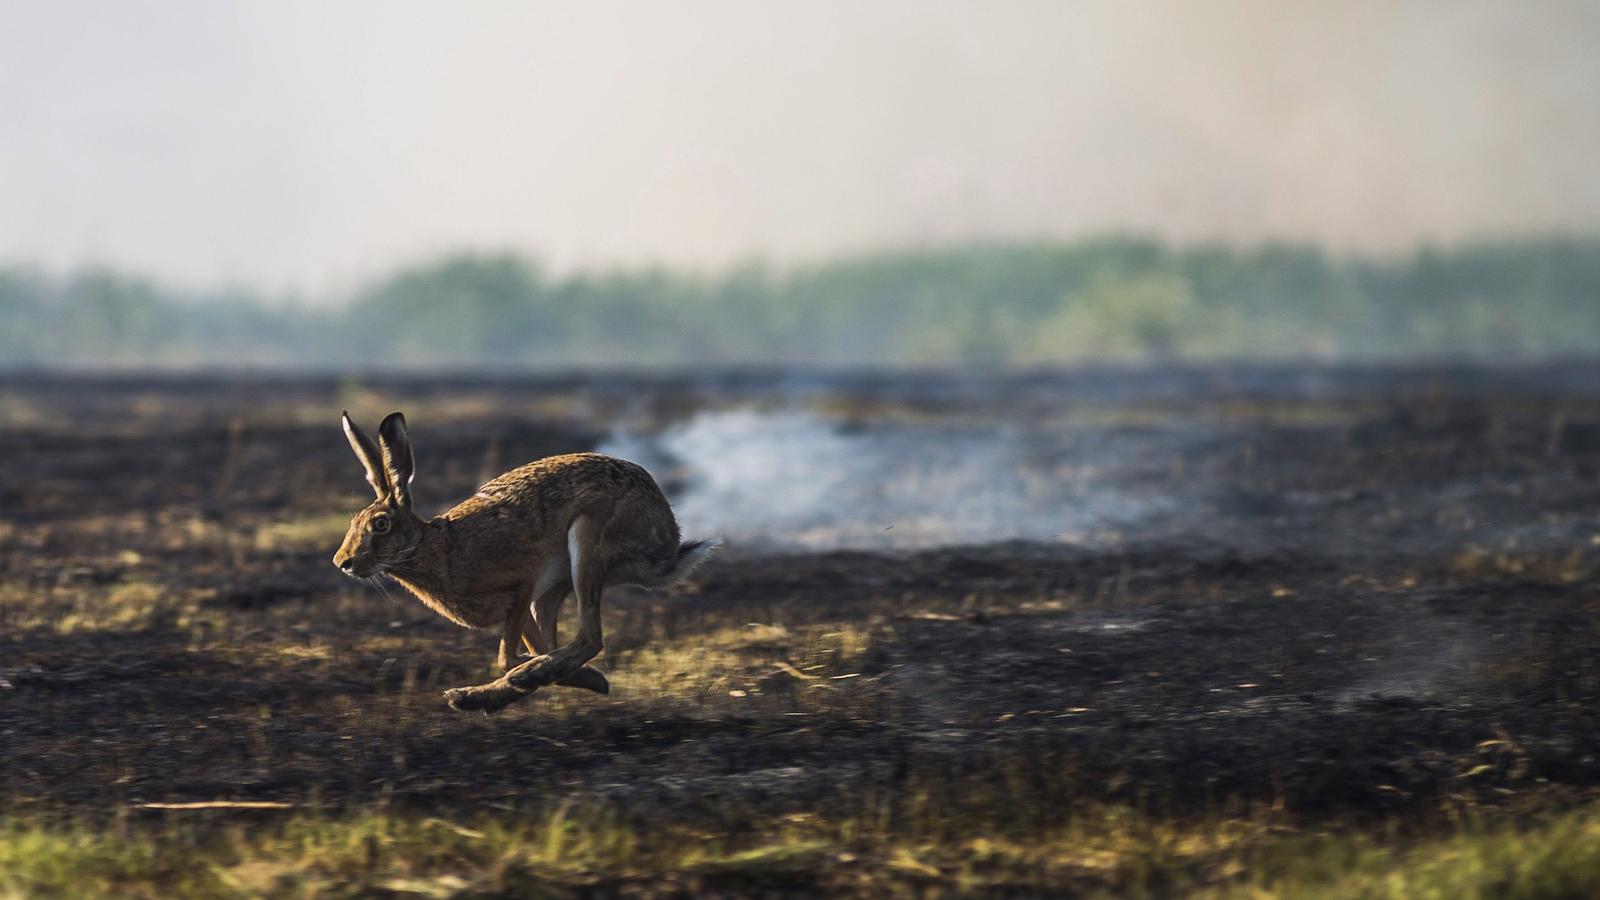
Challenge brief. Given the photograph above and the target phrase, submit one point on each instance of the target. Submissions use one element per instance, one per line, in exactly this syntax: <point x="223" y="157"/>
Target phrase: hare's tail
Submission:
<point x="691" y="555"/>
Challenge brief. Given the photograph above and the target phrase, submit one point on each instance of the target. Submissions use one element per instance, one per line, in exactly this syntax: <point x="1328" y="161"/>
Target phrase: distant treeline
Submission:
<point x="1020" y="304"/>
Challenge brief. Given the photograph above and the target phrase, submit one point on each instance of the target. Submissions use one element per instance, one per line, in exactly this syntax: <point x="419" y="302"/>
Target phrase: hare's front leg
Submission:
<point x="540" y="635"/>
<point x="498" y="694"/>
<point x="519" y="620"/>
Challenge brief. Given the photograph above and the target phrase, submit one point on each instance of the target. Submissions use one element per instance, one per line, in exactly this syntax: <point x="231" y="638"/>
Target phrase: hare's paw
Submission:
<point x="532" y="674"/>
<point x="486" y="698"/>
<point x="588" y="678"/>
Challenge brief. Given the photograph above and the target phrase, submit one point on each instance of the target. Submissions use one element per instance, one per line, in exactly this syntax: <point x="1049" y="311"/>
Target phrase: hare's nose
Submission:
<point x="344" y="565"/>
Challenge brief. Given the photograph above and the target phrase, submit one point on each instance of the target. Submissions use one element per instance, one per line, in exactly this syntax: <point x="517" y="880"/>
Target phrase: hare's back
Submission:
<point x="574" y="481"/>
<point x="541" y="500"/>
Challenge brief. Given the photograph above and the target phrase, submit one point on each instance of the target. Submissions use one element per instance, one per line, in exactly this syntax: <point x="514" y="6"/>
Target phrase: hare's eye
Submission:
<point x="380" y="524"/>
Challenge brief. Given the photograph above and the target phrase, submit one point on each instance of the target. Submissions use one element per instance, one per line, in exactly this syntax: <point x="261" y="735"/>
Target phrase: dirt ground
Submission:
<point x="1356" y="592"/>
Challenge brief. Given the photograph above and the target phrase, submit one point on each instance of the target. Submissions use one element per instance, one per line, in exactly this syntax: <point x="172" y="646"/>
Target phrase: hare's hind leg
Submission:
<point x="585" y="548"/>
<point x="540" y="636"/>
<point x="585" y="545"/>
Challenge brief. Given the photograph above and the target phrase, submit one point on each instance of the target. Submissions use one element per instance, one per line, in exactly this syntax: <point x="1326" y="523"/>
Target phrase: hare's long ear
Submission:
<point x="367" y="452"/>
<point x="397" y="462"/>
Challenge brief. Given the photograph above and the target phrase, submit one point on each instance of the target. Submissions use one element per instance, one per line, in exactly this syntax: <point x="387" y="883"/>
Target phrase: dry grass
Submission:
<point x="312" y="532"/>
<point x="879" y="848"/>
<point x="1475" y="564"/>
<point x="129" y="605"/>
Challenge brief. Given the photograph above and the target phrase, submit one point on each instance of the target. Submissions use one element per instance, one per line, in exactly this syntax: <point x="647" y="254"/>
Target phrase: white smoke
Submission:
<point x="795" y="478"/>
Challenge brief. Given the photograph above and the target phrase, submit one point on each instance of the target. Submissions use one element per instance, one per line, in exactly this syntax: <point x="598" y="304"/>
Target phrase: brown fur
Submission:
<point x="507" y="556"/>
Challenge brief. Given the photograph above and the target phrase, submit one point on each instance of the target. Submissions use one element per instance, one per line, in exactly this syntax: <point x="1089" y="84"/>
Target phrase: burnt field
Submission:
<point x="1131" y="631"/>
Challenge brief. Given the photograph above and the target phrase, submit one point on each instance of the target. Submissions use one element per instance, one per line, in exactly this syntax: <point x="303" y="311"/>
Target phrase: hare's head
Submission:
<point x="387" y="532"/>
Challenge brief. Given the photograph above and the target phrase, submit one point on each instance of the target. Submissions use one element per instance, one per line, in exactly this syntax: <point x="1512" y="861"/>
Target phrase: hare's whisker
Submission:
<point x="383" y="587"/>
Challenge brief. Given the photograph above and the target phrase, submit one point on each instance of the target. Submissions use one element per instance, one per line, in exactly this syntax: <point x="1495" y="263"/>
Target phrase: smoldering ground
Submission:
<point x="792" y="477"/>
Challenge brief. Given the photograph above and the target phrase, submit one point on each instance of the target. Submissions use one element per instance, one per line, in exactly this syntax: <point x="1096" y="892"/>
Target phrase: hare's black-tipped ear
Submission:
<point x="368" y="453"/>
<point x="397" y="461"/>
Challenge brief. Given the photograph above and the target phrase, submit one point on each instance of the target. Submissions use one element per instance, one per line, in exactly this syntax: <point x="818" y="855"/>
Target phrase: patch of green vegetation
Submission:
<point x="559" y="853"/>
<point x="316" y="531"/>
<point x="1554" y="857"/>
<point x="80" y="862"/>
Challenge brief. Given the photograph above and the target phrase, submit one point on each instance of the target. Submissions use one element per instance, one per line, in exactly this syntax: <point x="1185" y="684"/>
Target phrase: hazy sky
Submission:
<point x="307" y="145"/>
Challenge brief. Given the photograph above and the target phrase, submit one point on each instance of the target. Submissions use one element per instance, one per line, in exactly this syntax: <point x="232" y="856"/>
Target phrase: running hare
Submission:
<point x="508" y="556"/>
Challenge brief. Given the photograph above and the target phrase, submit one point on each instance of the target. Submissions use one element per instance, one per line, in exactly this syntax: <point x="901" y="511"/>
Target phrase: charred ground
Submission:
<point x="1363" y="597"/>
